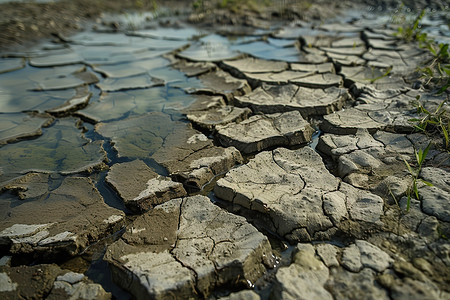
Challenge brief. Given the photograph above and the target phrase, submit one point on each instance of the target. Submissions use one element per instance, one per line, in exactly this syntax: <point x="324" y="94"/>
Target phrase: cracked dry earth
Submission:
<point x="183" y="159"/>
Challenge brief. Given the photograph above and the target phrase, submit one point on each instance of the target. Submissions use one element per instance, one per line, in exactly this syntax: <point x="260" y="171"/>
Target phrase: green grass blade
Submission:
<point x="425" y="153"/>
<point x="427" y="182"/>
<point x="419" y="156"/>
<point x="416" y="191"/>
<point x="445" y="133"/>
<point x="411" y="171"/>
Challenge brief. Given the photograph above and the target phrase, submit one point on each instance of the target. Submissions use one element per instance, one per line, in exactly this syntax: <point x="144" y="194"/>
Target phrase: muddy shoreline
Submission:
<point x="25" y="24"/>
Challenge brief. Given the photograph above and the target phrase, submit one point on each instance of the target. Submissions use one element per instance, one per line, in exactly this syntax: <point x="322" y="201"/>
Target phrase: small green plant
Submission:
<point x="198" y="5"/>
<point x="441" y="233"/>
<point x="237" y="5"/>
<point x="412" y="31"/>
<point x="413" y="190"/>
<point x="146" y="4"/>
<point x="433" y="122"/>
<point x="437" y="68"/>
<point x="385" y="74"/>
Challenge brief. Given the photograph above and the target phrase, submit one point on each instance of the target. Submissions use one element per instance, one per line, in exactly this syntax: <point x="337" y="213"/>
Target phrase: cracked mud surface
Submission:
<point x="288" y="129"/>
<point x="192" y="247"/>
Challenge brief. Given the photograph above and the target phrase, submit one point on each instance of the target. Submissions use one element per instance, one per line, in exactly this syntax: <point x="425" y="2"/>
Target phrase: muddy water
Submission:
<point x="53" y="97"/>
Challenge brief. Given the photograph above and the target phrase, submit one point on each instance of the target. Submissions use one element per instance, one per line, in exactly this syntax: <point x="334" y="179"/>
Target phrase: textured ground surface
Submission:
<point x="295" y="131"/>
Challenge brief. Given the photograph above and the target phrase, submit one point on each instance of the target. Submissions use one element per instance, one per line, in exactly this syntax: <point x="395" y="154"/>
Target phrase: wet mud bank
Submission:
<point x="235" y="156"/>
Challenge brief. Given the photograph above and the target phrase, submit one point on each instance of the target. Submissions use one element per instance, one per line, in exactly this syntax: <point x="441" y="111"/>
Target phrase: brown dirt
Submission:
<point x="24" y="24"/>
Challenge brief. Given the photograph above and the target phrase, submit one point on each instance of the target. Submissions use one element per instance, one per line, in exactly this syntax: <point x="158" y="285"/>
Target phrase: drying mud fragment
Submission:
<point x="69" y="81"/>
<point x="17" y="101"/>
<point x="346" y="60"/>
<point x="207" y="112"/>
<point x="205" y="102"/>
<point x="340" y="27"/>
<point x="348" y="42"/>
<point x="221" y="83"/>
<point x="435" y="201"/>
<point x="63" y="59"/>
<point x="220" y="116"/>
<point x="110" y="56"/>
<point x="293" y="32"/>
<point x="319" y="81"/>
<point x="141" y="188"/>
<point x="49" y="282"/>
<point x="315" y="68"/>
<point x="403" y="61"/>
<point x="116" y="105"/>
<point x="269" y="99"/>
<point x="209" y="52"/>
<point x="69" y="219"/>
<point x="186" y="248"/>
<point x="261" y="132"/>
<point x="254" y="65"/>
<point x="29" y="186"/>
<point x="180" y="32"/>
<point x="79" y="101"/>
<point x="192" y="69"/>
<point x="133" y="68"/>
<point x="19" y="126"/>
<point x="353" y="51"/>
<point x="188" y="155"/>
<point x="142" y="81"/>
<point x="47" y="154"/>
<point x="379" y="77"/>
<point x="281" y="78"/>
<point x="298" y="196"/>
<point x="11" y="64"/>
<point x="267" y="51"/>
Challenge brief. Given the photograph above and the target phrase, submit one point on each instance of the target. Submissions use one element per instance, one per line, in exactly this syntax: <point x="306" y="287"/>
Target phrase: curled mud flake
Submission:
<point x="19" y="126"/>
<point x="79" y="101"/>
